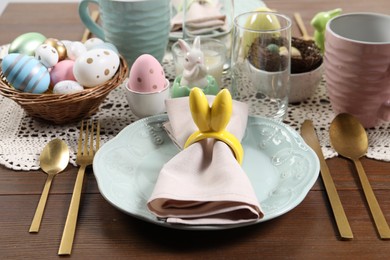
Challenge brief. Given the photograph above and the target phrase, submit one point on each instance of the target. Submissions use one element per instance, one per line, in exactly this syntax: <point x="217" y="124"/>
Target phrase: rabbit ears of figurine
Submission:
<point x="187" y="48"/>
<point x="212" y="120"/>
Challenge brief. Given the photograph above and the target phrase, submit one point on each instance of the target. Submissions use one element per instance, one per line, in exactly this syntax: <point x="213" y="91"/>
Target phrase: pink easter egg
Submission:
<point x="63" y="70"/>
<point x="146" y="75"/>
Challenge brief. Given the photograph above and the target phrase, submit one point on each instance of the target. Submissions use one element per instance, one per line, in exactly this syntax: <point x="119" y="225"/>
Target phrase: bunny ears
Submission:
<point x="212" y="121"/>
<point x="186" y="47"/>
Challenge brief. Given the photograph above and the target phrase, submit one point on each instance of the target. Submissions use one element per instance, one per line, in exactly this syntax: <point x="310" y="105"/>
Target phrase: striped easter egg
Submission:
<point x="25" y="73"/>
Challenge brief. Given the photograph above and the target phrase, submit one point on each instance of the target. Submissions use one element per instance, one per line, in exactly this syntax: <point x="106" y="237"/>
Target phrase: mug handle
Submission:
<point x="87" y="20"/>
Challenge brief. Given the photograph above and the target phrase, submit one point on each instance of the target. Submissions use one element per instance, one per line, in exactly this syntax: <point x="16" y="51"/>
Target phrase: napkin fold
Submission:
<point x="201" y="18"/>
<point x="203" y="184"/>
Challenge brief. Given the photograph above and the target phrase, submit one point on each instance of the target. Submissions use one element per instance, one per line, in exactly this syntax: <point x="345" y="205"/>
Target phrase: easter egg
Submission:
<point x="66" y="43"/>
<point x="95" y="67"/>
<point x="106" y="45"/>
<point x="59" y="46"/>
<point x="272" y="48"/>
<point x="25" y="73"/>
<point x="26" y="43"/>
<point x="75" y="49"/>
<point x="92" y="42"/>
<point x="146" y="75"/>
<point x="67" y="87"/>
<point x="262" y="21"/>
<point x="259" y="22"/>
<point x="63" y="70"/>
<point x="47" y="55"/>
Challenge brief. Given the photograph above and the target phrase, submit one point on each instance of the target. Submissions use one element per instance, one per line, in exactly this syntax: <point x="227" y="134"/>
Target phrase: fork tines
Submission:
<point x="87" y="133"/>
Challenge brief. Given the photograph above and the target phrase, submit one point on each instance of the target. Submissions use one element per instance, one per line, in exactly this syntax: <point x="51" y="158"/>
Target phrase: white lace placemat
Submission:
<point x="23" y="138"/>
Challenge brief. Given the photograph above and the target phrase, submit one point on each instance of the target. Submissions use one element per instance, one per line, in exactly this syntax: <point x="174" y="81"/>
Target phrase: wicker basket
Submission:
<point x="64" y="108"/>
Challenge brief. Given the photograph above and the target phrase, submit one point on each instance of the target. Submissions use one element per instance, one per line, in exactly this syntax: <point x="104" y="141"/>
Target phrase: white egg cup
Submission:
<point x="144" y="104"/>
<point x="303" y="85"/>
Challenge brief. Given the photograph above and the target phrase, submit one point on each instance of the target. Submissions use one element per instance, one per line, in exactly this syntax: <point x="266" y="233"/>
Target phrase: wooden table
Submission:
<point x="308" y="231"/>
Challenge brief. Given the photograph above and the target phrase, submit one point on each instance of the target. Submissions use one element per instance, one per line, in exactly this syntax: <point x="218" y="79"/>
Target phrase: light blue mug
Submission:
<point x="135" y="27"/>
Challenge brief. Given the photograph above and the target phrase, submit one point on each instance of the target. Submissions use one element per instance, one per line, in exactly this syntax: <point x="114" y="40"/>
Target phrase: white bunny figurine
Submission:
<point x="194" y="73"/>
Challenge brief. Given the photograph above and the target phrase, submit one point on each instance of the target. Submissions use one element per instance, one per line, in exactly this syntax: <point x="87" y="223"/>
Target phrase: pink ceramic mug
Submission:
<point x="357" y="66"/>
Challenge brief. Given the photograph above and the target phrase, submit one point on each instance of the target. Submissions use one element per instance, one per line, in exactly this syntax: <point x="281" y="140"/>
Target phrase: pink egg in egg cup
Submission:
<point x="144" y="104"/>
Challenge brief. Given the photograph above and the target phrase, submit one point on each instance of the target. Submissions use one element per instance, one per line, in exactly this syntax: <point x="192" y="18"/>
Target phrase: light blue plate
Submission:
<point x="281" y="167"/>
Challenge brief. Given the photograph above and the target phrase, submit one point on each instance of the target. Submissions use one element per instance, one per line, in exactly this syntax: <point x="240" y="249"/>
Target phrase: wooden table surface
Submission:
<point x="308" y="231"/>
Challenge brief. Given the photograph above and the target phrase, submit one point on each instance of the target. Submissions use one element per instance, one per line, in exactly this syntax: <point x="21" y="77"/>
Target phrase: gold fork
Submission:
<point x="85" y="154"/>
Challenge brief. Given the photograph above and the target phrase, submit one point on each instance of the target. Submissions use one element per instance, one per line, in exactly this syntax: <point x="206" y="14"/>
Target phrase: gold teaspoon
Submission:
<point x="302" y="27"/>
<point x="350" y="140"/>
<point x="53" y="159"/>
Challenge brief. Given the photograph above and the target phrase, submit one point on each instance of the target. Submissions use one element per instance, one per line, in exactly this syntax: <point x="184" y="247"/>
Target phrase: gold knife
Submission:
<point x="309" y="135"/>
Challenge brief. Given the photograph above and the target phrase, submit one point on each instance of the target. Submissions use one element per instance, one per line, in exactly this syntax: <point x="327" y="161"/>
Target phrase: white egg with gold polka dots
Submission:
<point x="95" y="67"/>
<point x="47" y="55"/>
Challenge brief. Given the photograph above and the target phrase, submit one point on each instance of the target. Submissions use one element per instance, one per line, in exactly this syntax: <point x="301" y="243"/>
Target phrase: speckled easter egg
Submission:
<point x="67" y="87"/>
<point x="146" y="75"/>
<point x="63" y="70"/>
<point x="95" y="67"/>
<point x="25" y="73"/>
<point x="26" y="43"/>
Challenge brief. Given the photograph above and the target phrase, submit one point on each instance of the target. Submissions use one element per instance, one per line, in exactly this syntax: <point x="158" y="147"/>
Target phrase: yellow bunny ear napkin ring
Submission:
<point x="212" y="121"/>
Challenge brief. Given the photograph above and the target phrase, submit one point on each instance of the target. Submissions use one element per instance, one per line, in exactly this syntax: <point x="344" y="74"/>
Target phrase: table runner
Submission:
<point x="22" y="138"/>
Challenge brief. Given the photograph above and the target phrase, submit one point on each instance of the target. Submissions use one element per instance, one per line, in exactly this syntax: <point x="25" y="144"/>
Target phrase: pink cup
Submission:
<point x="357" y="66"/>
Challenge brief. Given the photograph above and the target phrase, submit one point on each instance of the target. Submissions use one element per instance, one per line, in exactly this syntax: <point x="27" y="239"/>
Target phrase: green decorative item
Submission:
<point x="26" y="43"/>
<point x="319" y="22"/>
<point x="179" y="90"/>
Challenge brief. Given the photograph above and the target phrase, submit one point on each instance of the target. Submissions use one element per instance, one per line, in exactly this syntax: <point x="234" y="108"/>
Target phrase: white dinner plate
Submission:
<point x="280" y="166"/>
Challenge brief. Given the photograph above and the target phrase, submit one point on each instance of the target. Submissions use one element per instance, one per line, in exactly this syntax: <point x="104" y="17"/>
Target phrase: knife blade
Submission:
<point x="309" y="135"/>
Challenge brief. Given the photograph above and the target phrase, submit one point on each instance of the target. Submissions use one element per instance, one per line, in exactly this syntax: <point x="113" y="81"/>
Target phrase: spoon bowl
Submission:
<point x="53" y="160"/>
<point x="349" y="138"/>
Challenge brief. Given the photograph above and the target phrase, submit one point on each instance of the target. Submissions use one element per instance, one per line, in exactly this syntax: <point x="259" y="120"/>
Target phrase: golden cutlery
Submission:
<point x="53" y="160"/>
<point x="85" y="154"/>
<point x="302" y="27"/>
<point x="310" y="137"/>
<point x="350" y="140"/>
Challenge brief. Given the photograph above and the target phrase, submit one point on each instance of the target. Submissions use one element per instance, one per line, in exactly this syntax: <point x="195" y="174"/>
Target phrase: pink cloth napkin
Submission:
<point x="200" y="18"/>
<point x="203" y="184"/>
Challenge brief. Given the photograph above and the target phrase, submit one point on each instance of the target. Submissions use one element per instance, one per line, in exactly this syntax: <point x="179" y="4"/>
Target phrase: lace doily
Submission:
<point x="22" y="138"/>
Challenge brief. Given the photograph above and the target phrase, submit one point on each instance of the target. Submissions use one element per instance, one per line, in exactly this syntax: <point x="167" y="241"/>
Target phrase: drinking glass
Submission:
<point x="214" y="57"/>
<point x="260" y="62"/>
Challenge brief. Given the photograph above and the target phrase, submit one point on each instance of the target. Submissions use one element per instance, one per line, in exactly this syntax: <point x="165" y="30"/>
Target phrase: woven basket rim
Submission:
<point x="64" y="108"/>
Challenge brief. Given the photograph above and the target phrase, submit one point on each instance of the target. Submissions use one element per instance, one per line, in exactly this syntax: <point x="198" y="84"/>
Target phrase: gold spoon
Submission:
<point x="349" y="139"/>
<point x="53" y="160"/>
<point x="302" y="27"/>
